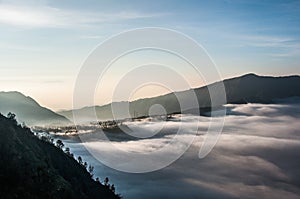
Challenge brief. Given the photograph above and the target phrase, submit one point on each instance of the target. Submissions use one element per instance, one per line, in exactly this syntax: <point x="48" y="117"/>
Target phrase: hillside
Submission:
<point x="248" y="88"/>
<point x="28" y="110"/>
<point x="34" y="169"/>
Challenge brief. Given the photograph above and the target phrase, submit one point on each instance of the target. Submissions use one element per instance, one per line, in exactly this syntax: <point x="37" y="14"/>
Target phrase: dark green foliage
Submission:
<point x="106" y="181"/>
<point x="59" y="144"/>
<point x="85" y="165"/>
<point x="67" y="151"/>
<point x="91" y="170"/>
<point x="112" y="188"/>
<point x="31" y="168"/>
<point x="79" y="160"/>
<point x="11" y="116"/>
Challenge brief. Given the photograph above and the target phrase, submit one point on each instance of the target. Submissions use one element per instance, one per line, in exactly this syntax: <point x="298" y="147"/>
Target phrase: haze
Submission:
<point x="44" y="43"/>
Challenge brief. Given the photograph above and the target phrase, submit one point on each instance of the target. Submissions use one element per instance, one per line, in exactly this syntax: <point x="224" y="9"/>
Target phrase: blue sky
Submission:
<point x="44" y="43"/>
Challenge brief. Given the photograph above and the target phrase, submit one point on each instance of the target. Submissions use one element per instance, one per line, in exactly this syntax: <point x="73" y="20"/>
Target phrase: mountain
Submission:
<point x="252" y="88"/>
<point x="32" y="168"/>
<point x="28" y="110"/>
<point x="249" y="88"/>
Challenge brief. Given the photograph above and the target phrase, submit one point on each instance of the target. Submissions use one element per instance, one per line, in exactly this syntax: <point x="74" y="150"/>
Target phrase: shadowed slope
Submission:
<point x="32" y="168"/>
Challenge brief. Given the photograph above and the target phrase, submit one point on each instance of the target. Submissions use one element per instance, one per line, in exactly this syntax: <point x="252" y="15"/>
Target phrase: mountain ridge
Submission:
<point x="28" y="110"/>
<point x="241" y="89"/>
<point x="245" y="75"/>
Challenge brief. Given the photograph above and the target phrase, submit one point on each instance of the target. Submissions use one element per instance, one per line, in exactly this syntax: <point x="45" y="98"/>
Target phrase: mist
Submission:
<point x="257" y="156"/>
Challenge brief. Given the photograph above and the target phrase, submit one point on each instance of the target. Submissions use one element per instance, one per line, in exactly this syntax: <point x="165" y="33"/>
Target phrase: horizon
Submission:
<point x="46" y="42"/>
<point x="61" y="110"/>
<point x="132" y="98"/>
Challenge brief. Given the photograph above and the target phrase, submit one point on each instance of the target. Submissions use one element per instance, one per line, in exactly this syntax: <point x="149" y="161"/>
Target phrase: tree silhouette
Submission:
<point x="91" y="170"/>
<point x="112" y="188"/>
<point x="59" y="144"/>
<point x="12" y="117"/>
<point x="67" y="151"/>
<point x="79" y="160"/>
<point x="106" y="181"/>
<point x="85" y="165"/>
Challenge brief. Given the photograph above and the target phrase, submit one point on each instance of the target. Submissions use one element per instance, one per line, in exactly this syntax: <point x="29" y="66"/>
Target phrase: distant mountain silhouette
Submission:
<point x="28" y="110"/>
<point x="35" y="169"/>
<point x="252" y="88"/>
<point x="249" y="88"/>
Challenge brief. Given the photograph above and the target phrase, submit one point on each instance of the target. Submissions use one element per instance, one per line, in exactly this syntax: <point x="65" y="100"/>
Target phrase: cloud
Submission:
<point x="275" y="46"/>
<point x="42" y="15"/>
<point x="27" y="16"/>
<point x="268" y="41"/>
<point x="257" y="156"/>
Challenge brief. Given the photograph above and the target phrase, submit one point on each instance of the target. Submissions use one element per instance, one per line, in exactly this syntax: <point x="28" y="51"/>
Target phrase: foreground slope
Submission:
<point x="249" y="88"/>
<point x="31" y="168"/>
<point x="28" y="110"/>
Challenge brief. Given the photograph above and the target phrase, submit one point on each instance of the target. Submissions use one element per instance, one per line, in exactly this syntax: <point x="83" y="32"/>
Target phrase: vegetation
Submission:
<point x="34" y="167"/>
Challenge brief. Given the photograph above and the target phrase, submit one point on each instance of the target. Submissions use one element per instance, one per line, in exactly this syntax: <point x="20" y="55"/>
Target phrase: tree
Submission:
<point x="79" y="160"/>
<point x="24" y="125"/>
<point x="85" y="165"/>
<point x="59" y="144"/>
<point x="98" y="180"/>
<point x="91" y="170"/>
<point x="44" y="138"/>
<point x="67" y="151"/>
<point x="112" y="188"/>
<point x="11" y="116"/>
<point x="106" y="181"/>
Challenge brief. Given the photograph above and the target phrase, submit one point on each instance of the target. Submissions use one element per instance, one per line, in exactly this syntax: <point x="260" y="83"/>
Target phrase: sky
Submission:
<point x="44" y="43"/>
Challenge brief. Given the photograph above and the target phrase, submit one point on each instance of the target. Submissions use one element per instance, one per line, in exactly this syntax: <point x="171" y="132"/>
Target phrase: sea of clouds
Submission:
<point x="256" y="156"/>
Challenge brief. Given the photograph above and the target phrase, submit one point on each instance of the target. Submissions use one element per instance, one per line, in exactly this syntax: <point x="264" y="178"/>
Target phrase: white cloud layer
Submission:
<point x="257" y="156"/>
